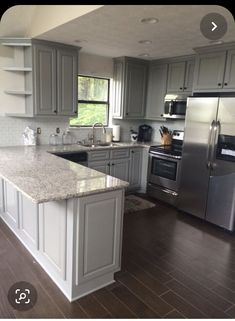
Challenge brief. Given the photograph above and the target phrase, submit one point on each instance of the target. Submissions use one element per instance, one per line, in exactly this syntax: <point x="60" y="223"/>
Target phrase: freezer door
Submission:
<point x="221" y="201"/>
<point x="198" y="137"/>
<point x="221" y="196"/>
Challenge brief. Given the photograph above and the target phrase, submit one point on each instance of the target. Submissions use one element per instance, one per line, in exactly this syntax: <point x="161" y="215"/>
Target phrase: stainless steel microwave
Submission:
<point x="175" y="106"/>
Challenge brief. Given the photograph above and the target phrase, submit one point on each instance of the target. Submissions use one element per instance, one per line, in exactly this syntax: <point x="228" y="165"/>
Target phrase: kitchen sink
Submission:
<point x="100" y="145"/>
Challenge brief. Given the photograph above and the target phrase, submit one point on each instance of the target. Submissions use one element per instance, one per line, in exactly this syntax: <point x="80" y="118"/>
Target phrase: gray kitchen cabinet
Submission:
<point x="130" y="81"/>
<point x="135" y="167"/>
<point x="189" y="73"/>
<point x="157" y="86"/>
<point x="209" y="71"/>
<point x="229" y="78"/>
<point x="176" y="73"/>
<point x="101" y="166"/>
<point x="55" y="81"/>
<point x="120" y="169"/>
<point x="180" y="76"/>
<point x="44" y="62"/>
<point x="67" y="84"/>
<point x="49" y="76"/>
<point x="123" y="163"/>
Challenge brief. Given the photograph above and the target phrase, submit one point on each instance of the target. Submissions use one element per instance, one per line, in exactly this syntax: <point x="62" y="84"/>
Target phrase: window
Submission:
<point x="93" y="101"/>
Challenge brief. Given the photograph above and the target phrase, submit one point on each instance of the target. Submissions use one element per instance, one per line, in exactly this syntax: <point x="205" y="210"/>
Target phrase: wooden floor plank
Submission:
<point x="92" y="307"/>
<point x="211" y="296"/>
<point x="140" y="309"/>
<point x="196" y="300"/>
<point x="110" y="302"/>
<point x="148" y="297"/>
<point x="145" y="278"/>
<point x="182" y="306"/>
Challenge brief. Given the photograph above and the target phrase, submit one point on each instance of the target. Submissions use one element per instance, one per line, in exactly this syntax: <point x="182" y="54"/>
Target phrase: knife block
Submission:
<point x="166" y="139"/>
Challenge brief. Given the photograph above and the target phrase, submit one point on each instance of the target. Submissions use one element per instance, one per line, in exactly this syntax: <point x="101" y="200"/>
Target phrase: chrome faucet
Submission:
<point x="93" y="131"/>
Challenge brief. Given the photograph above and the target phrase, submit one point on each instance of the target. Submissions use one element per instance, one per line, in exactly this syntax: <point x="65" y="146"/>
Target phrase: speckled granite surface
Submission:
<point x="44" y="177"/>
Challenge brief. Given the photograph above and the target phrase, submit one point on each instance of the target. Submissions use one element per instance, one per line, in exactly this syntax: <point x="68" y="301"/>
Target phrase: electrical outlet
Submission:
<point x="39" y="130"/>
<point x="57" y="130"/>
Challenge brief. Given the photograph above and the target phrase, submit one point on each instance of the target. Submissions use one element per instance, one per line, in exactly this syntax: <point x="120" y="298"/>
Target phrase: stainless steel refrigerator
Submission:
<point x="207" y="184"/>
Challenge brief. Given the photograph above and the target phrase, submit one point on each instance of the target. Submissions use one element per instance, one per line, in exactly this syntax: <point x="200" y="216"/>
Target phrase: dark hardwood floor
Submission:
<point x="174" y="266"/>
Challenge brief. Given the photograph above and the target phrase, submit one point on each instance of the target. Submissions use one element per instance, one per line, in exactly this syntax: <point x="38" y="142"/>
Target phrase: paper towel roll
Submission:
<point x="116" y="133"/>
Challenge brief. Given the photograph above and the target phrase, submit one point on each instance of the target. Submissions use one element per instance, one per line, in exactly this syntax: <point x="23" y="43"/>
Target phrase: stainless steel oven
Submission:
<point x="164" y="170"/>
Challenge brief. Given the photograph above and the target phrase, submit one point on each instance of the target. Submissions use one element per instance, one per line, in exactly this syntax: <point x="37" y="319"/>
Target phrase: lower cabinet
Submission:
<point x="127" y="168"/>
<point x="100" y="166"/>
<point x="78" y="241"/>
<point x="135" y="167"/>
<point x="99" y="229"/>
<point x="120" y="169"/>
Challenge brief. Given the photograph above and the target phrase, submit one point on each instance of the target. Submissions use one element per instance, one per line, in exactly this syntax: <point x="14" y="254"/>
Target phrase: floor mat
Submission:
<point x="135" y="203"/>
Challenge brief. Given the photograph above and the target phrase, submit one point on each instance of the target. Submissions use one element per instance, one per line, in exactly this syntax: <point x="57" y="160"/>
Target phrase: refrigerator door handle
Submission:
<point x="210" y="145"/>
<point x="217" y="129"/>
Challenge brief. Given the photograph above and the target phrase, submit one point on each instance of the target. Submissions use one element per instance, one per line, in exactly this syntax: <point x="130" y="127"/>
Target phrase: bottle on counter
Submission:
<point x="67" y="138"/>
<point x="54" y="139"/>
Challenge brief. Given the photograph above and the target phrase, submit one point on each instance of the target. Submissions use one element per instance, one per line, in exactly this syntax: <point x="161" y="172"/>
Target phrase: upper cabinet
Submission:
<point x="50" y="77"/>
<point x="180" y="76"/>
<point x="157" y="86"/>
<point x="130" y="81"/>
<point x="55" y="79"/>
<point x="215" y="69"/>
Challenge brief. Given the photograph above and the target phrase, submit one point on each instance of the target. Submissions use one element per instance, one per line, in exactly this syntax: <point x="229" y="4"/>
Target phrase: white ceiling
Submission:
<point x="114" y="30"/>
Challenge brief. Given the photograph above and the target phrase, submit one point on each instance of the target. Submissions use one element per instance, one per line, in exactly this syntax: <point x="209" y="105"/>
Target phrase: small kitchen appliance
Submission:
<point x="145" y="133"/>
<point x="175" y="106"/>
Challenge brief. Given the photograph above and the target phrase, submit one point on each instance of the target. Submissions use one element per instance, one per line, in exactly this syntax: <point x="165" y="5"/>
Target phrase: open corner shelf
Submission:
<point x="24" y="69"/>
<point x="16" y="44"/>
<point x="18" y="115"/>
<point x="18" y="92"/>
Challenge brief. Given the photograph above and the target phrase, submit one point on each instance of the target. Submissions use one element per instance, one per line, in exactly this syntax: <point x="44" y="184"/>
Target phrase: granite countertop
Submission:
<point x="44" y="177"/>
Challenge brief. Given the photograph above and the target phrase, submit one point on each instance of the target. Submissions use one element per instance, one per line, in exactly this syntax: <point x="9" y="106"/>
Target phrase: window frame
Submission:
<point x="97" y="102"/>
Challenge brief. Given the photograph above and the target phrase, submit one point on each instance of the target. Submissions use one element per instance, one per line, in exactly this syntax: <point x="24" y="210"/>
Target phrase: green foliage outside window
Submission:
<point x="93" y="102"/>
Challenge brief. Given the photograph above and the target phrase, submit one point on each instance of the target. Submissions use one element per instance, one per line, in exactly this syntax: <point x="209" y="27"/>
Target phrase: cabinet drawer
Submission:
<point x="120" y="153"/>
<point x="98" y="155"/>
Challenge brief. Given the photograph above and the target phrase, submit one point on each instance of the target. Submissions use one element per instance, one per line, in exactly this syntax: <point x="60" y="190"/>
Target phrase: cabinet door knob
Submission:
<point x="126" y="113"/>
<point x="181" y="88"/>
<point x="108" y="164"/>
<point x="112" y="164"/>
<point x="75" y="112"/>
<point x="225" y="83"/>
<point x="219" y="84"/>
<point x="55" y="111"/>
<point x="185" y="87"/>
<point x="132" y="152"/>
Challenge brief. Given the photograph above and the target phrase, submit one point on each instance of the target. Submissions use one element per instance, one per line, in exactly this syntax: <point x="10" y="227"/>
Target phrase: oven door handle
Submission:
<point x="164" y="156"/>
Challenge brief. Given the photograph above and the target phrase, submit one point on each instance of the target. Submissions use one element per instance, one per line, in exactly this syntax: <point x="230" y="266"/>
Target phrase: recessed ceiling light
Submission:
<point x="150" y="20"/>
<point x="145" y="42"/>
<point x="144" y="55"/>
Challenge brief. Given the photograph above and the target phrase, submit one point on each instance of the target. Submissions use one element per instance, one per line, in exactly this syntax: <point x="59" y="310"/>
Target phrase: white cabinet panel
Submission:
<point x="52" y="237"/>
<point x="28" y="213"/>
<point x="11" y="206"/>
<point x="99" y="234"/>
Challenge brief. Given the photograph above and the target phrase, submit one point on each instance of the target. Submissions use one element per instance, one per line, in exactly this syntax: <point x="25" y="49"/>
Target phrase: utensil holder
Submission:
<point x="166" y="139"/>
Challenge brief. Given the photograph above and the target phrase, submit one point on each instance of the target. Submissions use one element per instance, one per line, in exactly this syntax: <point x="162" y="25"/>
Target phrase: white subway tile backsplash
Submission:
<point x="11" y="129"/>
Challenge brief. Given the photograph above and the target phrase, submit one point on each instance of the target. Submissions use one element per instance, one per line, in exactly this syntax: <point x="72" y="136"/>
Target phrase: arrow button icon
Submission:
<point x="214" y="26"/>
